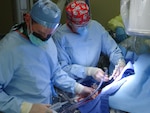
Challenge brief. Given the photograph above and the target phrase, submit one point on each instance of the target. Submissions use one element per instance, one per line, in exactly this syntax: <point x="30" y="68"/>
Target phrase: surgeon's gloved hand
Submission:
<point x="97" y="73"/>
<point x="118" y="68"/>
<point x="40" y="108"/>
<point x="35" y="108"/>
<point x="83" y="91"/>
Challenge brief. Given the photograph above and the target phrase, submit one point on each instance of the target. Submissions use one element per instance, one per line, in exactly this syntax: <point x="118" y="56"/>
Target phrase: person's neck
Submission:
<point x="23" y="31"/>
<point x="70" y="27"/>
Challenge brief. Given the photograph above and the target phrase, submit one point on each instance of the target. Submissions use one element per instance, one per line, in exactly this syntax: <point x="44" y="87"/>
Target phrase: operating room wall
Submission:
<point x="101" y="10"/>
<point x="6" y="18"/>
<point x="104" y="10"/>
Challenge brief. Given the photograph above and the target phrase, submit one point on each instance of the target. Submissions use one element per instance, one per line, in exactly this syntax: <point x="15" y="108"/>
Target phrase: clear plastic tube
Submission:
<point x="88" y="98"/>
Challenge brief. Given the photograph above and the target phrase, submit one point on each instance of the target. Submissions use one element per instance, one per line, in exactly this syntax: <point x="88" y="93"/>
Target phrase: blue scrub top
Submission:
<point x="75" y="52"/>
<point x="29" y="72"/>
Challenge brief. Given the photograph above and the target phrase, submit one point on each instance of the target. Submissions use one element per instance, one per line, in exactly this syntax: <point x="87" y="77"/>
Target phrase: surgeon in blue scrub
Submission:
<point x="81" y="41"/>
<point x="29" y="67"/>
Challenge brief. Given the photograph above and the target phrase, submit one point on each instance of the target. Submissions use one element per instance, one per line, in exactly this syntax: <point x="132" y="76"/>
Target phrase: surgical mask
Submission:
<point x="81" y="30"/>
<point x="36" y="38"/>
<point x="40" y="37"/>
<point x="36" y="41"/>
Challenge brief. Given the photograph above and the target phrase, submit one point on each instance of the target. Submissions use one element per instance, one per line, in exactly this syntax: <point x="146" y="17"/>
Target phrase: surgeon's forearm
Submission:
<point x="75" y="71"/>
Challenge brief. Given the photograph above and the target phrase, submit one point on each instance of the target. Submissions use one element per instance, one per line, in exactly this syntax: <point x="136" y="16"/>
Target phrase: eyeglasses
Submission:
<point x="43" y="31"/>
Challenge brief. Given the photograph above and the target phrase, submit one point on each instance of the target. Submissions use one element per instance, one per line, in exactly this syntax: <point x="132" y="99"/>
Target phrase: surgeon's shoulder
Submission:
<point x="97" y="25"/>
<point x="62" y="28"/>
<point x="95" y="22"/>
<point x="10" y="40"/>
<point x="61" y="32"/>
<point x="7" y="38"/>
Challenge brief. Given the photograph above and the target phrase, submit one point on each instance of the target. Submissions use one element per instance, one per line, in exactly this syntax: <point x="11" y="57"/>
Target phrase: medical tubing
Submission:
<point x="100" y="84"/>
<point x="85" y="100"/>
<point x="57" y="106"/>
